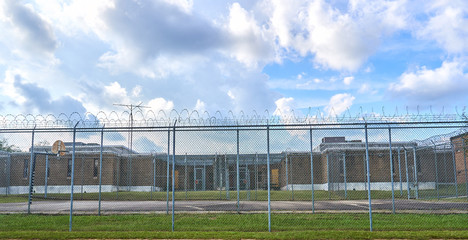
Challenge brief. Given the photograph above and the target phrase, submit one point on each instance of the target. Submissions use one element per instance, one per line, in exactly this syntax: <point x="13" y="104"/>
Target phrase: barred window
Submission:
<point x="25" y="168"/>
<point x="95" y="168"/>
<point x="69" y="168"/>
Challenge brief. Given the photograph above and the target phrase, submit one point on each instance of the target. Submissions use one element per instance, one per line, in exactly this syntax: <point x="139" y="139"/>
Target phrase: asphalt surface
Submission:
<point x="125" y="207"/>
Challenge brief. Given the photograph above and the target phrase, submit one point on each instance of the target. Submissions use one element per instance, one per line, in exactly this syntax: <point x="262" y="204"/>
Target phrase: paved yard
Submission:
<point x="61" y="207"/>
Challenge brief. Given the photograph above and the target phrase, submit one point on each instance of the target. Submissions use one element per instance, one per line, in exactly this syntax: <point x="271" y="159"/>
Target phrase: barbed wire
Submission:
<point x="185" y="117"/>
<point x="441" y="139"/>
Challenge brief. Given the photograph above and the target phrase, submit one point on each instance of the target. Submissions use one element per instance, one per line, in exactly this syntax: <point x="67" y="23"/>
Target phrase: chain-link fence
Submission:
<point x="254" y="168"/>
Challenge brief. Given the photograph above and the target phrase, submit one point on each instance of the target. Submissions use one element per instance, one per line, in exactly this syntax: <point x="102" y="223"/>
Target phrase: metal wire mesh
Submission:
<point x="225" y="168"/>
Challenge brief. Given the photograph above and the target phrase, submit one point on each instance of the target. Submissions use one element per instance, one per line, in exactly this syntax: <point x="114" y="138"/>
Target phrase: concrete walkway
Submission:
<point x="126" y="207"/>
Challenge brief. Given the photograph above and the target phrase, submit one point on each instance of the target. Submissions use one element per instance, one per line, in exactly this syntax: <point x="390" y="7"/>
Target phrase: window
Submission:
<point x="418" y="164"/>
<point x="48" y="166"/>
<point x="69" y="168"/>
<point x="95" y="168"/>
<point x="25" y="168"/>
<point x="341" y="163"/>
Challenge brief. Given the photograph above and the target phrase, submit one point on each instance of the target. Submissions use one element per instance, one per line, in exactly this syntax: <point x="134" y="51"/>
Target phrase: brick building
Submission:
<point x="337" y="163"/>
<point x="460" y="145"/>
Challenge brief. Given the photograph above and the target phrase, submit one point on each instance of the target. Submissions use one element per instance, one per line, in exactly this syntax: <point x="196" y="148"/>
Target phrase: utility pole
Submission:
<point x="130" y="107"/>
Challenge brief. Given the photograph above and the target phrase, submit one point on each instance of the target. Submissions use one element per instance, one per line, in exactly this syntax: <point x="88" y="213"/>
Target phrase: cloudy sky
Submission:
<point x="86" y="55"/>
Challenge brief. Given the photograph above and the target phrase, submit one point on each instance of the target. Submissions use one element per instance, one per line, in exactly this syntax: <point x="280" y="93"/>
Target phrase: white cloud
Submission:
<point x="185" y="5"/>
<point x="285" y="106"/>
<point x="339" y="103"/>
<point x="330" y="84"/>
<point x="102" y="97"/>
<point x="312" y="84"/>
<point x="200" y="106"/>
<point x="449" y="81"/>
<point x="26" y="33"/>
<point x="364" y="88"/>
<point x="158" y="104"/>
<point x="447" y="26"/>
<point x="136" y="91"/>
<point x="348" y="80"/>
<point x="213" y="59"/>
<point x="8" y="88"/>
<point x="341" y="41"/>
<point x="76" y="16"/>
<point x="116" y="93"/>
<point x="250" y="43"/>
<point x="30" y="97"/>
<point x="143" y="32"/>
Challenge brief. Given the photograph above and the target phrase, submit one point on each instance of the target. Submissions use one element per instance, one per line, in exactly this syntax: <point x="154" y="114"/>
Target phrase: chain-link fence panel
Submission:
<point x="234" y="169"/>
<point x="460" y="148"/>
<point x="5" y="165"/>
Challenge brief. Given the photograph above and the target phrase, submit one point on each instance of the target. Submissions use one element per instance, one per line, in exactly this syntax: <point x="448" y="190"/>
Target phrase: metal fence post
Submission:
<point x="153" y="188"/>
<point x="100" y="168"/>
<point x="268" y="177"/>
<point x="204" y="176"/>
<point x="368" y="179"/>
<point x="185" y="175"/>
<point x="328" y="177"/>
<point x="416" y="183"/>
<point x="312" y="170"/>
<point x="82" y="175"/>
<point x="46" y="174"/>
<point x="215" y="172"/>
<point x="173" y="172"/>
<point x="237" y="169"/>
<point x="220" y="177"/>
<point x="256" y="175"/>
<point x="445" y="166"/>
<point x="407" y="174"/>
<point x="292" y="179"/>
<point x="454" y="170"/>
<point x="399" y="173"/>
<point x="436" y="171"/>
<point x="344" y="176"/>
<point x="226" y="169"/>
<point x="118" y="179"/>
<point x="466" y="170"/>
<point x="9" y="174"/>
<point x="391" y="168"/>
<point x="287" y="172"/>
<point x="72" y="176"/>
<point x="247" y="179"/>
<point x="167" y="168"/>
<point x="194" y="175"/>
<point x="31" y="170"/>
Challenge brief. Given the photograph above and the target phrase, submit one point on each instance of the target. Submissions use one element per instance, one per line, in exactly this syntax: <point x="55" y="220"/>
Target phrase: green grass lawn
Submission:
<point x="252" y="195"/>
<point x="236" y="226"/>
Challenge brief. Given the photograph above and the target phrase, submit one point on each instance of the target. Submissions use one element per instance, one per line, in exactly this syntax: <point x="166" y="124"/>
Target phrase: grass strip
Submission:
<point x="236" y="222"/>
<point x="328" y="234"/>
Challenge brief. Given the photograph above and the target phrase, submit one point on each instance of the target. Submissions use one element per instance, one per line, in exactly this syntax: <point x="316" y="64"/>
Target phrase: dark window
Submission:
<point x="341" y="163"/>
<point x="25" y="168"/>
<point x="418" y="164"/>
<point x="95" y="169"/>
<point x="48" y="166"/>
<point x="69" y="168"/>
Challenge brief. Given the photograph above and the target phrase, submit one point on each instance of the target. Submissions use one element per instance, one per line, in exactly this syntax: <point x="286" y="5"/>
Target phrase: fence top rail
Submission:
<point x="85" y="127"/>
<point x="186" y="118"/>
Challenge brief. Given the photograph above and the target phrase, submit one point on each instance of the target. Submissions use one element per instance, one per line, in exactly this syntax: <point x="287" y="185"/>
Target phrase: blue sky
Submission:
<point x="84" y="55"/>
